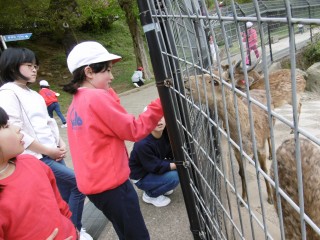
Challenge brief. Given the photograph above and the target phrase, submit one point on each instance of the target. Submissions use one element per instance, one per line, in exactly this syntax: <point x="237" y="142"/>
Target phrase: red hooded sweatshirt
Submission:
<point x="97" y="128"/>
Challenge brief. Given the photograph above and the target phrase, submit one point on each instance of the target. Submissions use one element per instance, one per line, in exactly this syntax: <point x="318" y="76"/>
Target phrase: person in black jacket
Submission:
<point x="152" y="167"/>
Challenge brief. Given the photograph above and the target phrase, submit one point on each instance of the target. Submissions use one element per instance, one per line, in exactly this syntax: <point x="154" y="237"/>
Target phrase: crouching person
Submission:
<point x="152" y="167"/>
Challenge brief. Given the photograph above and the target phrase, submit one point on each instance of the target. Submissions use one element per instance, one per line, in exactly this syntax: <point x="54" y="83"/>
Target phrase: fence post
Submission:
<point x="270" y="43"/>
<point x="151" y="29"/>
<point x="309" y="12"/>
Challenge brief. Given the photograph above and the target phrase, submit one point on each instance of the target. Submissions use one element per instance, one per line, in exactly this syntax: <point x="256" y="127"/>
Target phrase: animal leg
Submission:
<point x="263" y="165"/>
<point x="270" y="149"/>
<point x="241" y="173"/>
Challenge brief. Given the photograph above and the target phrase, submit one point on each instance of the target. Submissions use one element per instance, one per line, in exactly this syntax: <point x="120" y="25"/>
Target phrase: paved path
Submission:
<point x="172" y="222"/>
<point x="169" y="222"/>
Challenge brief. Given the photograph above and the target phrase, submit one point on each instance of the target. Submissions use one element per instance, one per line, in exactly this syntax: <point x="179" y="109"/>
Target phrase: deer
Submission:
<point x="279" y="82"/>
<point x="200" y="87"/>
<point x="288" y="182"/>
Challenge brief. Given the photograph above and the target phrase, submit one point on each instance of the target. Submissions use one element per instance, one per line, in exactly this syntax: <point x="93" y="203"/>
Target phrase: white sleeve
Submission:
<point x="10" y="103"/>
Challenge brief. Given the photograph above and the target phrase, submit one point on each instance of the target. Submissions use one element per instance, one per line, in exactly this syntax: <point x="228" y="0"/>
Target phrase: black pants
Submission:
<point x="121" y="207"/>
<point x="140" y="83"/>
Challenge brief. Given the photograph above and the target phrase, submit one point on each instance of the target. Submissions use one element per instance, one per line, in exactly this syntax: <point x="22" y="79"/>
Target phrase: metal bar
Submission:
<point x="174" y="133"/>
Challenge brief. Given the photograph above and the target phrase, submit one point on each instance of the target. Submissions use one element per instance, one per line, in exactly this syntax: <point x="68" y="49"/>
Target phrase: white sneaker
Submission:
<point x="84" y="235"/>
<point x="160" y="201"/>
<point x="168" y="193"/>
<point x="136" y="85"/>
<point x="64" y="125"/>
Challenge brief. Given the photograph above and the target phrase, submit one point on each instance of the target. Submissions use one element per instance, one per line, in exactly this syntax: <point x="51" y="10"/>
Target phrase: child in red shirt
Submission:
<point x="51" y="99"/>
<point x="42" y="211"/>
<point x="97" y="129"/>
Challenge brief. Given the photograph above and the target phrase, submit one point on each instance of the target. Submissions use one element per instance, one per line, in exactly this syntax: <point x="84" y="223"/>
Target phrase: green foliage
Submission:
<point x="99" y="14"/>
<point x="53" y="67"/>
<point x="51" y="16"/>
<point x="312" y="53"/>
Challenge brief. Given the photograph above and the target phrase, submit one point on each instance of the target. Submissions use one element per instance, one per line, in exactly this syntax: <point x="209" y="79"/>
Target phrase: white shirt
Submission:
<point x="137" y="75"/>
<point x="27" y="110"/>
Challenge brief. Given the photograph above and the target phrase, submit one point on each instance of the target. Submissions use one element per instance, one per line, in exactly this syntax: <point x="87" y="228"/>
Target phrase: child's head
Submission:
<point x="249" y="24"/>
<point x="18" y="64"/>
<point x="90" y="61"/>
<point x="160" y="126"/>
<point x="11" y="143"/>
<point x="140" y="69"/>
<point x="44" y="84"/>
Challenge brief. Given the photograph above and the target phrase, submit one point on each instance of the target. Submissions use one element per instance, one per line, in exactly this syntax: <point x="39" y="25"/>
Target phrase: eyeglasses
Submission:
<point x="31" y="66"/>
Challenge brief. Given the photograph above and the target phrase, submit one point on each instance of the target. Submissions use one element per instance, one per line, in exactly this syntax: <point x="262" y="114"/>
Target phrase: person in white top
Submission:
<point x="27" y="110"/>
<point x="213" y="52"/>
<point x="136" y="78"/>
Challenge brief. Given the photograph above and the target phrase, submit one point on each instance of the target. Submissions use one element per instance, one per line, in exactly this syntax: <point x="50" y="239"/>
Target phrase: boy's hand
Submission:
<point x="54" y="234"/>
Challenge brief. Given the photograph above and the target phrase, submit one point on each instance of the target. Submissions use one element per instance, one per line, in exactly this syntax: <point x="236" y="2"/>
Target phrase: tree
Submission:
<point x="130" y="9"/>
<point x="64" y="14"/>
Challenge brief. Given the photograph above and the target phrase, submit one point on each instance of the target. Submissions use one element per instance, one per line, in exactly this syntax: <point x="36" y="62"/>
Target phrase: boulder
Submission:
<point x="313" y="80"/>
<point x="275" y="66"/>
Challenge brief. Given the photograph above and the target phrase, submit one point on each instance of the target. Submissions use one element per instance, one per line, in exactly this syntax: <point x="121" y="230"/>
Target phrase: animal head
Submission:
<point x="200" y="86"/>
<point x="238" y="74"/>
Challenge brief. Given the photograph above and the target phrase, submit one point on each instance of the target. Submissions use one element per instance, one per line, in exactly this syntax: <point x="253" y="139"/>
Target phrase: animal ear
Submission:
<point x="225" y="67"/>
<point x="250" y="80"/>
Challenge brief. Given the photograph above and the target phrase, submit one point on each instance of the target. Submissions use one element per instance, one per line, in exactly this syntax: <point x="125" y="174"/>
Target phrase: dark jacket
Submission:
<point x="150" y="155"/>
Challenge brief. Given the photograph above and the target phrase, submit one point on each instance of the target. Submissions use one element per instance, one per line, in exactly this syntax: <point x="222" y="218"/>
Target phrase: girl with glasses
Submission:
<point x="27" y="109"/>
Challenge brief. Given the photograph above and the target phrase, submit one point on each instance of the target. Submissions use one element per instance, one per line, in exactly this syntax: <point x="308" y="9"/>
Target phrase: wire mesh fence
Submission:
<point x="223" y="105"/>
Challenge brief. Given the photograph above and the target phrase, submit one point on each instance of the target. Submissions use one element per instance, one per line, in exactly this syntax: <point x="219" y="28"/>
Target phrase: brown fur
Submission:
<point x="279" y="82"/>
<point x="287" y="172"/>
<point x="280" y="86"/>
<point x="196" y="86"/>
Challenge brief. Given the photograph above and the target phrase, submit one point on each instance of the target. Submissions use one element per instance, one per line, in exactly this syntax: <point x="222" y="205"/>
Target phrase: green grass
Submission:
<point x="53" y="67"/>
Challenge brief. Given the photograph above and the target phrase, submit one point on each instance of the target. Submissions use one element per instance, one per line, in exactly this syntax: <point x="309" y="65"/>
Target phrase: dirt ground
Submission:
<point x="250" y="223"/>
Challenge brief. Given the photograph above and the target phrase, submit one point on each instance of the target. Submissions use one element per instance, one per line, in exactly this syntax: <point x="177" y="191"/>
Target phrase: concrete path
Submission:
<point x="172" y="222"/>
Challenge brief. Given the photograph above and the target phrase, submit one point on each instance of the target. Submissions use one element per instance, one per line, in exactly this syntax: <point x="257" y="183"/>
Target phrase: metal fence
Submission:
<point x="273" y="30"/>
<point x="218" y="130"/>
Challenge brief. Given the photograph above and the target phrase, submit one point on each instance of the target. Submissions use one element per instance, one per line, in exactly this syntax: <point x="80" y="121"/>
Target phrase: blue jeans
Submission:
<point x="155" y="185"/>
<point x="56" y="107"/>
<point x="121" y="206"/>
<point x="68" y="189"/>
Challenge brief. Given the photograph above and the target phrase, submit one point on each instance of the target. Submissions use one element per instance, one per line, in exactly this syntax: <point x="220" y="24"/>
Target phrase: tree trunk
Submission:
<point x="61" y="11"/>
<point x="138" y="44"/>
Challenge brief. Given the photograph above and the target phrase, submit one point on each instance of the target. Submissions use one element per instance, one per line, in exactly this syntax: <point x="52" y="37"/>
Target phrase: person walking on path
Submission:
<point x="27" y="110"/>
<point x="212" y="45"/>
<point x="42" y="209"/>
<point x="136" y="78"/>
<point x="97" y="127"/>
<point x="152" y="167"/>
<point x="51" y="99"/>
<point x="251" y="39"/>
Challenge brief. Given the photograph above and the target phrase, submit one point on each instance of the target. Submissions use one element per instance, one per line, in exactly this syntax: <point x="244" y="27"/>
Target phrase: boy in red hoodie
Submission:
<point x="51" y="99"/>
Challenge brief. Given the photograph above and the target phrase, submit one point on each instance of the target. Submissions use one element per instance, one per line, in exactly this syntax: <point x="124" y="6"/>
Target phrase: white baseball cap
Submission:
<point x="86" y="53"/>
<point x="249" y="24"/>
<point x="44" y="83"/>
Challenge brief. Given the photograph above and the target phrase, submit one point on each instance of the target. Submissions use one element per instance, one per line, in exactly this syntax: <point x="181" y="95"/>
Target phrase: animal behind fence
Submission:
<point x="288" y="182"/>
<point x="201" y="88"/>
<point x="280" y="83"/>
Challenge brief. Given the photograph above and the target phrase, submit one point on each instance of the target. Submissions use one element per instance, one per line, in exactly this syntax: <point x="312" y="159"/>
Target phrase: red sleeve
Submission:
<point x="41" y="92"/>
<point x="117" y="122"/>
<point x="63" y="206"/>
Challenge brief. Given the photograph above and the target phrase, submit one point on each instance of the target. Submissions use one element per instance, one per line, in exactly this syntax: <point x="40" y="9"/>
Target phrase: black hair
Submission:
<point x="79" y="76"/>
<point x="10" y="62"/>
<point x="4" y="118"/>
